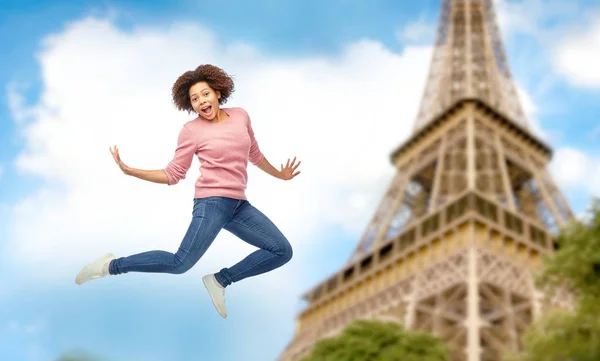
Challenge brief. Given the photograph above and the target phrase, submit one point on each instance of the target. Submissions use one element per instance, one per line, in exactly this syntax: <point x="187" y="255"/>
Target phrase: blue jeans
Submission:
<point x="210" y="215"/>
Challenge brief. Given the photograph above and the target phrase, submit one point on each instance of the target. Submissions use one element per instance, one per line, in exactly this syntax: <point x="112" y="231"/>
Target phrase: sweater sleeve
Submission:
<point x="255" y="155"/>
<point x="184" y="154"/>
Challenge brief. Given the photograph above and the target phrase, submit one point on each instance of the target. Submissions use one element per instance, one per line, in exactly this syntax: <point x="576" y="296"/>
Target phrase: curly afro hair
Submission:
<point x="214" y="76"/>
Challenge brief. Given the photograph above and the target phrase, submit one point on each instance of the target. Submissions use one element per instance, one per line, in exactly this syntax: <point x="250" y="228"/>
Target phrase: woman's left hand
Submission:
<point x="288" y="172"/>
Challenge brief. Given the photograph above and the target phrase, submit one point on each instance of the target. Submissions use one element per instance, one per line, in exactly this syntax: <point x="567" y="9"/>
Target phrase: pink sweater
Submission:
<point x="223" y="149"/>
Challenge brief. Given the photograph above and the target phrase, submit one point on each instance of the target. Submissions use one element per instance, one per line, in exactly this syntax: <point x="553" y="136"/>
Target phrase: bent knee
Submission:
<point x="180" y="269"/>
<point x="286" y="252"/>
<point x="180" y="266"/>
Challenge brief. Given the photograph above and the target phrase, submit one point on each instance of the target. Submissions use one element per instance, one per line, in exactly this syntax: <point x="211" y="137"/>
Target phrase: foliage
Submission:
<point x="563" y="335"/>
<point x="370" y="340"/>
<point x="77" y="356"/>
<point x="576" y="264"/>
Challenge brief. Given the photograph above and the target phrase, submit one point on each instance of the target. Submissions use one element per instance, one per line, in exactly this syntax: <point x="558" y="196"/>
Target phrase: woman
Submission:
<point x="224" y="142"/>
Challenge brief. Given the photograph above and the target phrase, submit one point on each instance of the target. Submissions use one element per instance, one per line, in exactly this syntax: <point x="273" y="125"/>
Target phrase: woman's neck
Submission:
<point x="221" y="116"/>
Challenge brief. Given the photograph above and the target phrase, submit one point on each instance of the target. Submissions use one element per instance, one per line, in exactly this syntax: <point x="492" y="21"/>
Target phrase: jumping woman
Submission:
<point x="224" y="142"/>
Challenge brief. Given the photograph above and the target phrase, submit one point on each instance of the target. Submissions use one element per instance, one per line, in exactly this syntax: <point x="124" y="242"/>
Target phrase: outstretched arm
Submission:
<point x="176" y="169"/>
<point x="286" y="173"/>
<point x="155" y="176"/>
<point x="257" y="158"/>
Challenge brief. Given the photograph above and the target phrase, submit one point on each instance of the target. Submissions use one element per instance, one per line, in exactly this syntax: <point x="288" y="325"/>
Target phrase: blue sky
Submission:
<point x="63" y="203"/>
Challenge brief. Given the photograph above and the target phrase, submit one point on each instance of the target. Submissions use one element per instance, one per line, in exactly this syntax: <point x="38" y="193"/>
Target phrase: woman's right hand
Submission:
<point x="115" y="153"/>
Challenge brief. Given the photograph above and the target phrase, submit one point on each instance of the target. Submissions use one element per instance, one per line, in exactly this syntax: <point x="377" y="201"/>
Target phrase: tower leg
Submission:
<point x="473" y="320"/>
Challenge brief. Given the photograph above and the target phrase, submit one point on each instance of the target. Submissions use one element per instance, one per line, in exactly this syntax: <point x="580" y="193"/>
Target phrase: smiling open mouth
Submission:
<point x="206" y="110"/>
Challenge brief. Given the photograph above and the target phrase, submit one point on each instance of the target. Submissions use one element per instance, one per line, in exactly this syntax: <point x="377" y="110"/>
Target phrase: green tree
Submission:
<point x="563" y="335"/>
<point x="77" y="356"/>
<point x="576" y="263"/>
<point x="369" y="340"/>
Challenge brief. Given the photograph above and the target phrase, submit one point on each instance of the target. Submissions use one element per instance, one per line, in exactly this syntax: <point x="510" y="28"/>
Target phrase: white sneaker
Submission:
<point x="93" y="270"/>
<point x="216" y="292"/>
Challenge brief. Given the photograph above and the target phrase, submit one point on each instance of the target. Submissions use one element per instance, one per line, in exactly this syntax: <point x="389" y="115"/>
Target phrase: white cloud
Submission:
<point x="101" y="86"/>
<point x="577" y="56"/>
<point x="573" y="169"/>
<point x="569" y="32"/>
<point x="419" y="31"/>
<point x="532" y="17"/>
<point x="531" y="112"/>
<point x="30" y="328"/>
<point x="512" y="19"/>
<point x="595" y="133"/>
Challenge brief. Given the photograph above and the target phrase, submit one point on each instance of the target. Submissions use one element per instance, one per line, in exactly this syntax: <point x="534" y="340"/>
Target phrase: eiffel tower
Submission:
<point x="468" y="216"/>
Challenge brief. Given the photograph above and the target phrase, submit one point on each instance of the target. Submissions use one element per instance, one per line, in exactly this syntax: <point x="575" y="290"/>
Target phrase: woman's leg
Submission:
<point x="208" y="218"/>
<point x="207" y="221"/>
<point x="253" y="227"/>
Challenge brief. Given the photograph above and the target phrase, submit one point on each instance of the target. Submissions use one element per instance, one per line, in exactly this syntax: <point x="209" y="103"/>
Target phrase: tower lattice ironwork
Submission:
<point x="471" y="211"/>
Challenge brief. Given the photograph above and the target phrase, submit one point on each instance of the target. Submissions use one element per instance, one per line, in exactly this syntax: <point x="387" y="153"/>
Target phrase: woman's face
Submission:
<point x="205" y="100"/>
